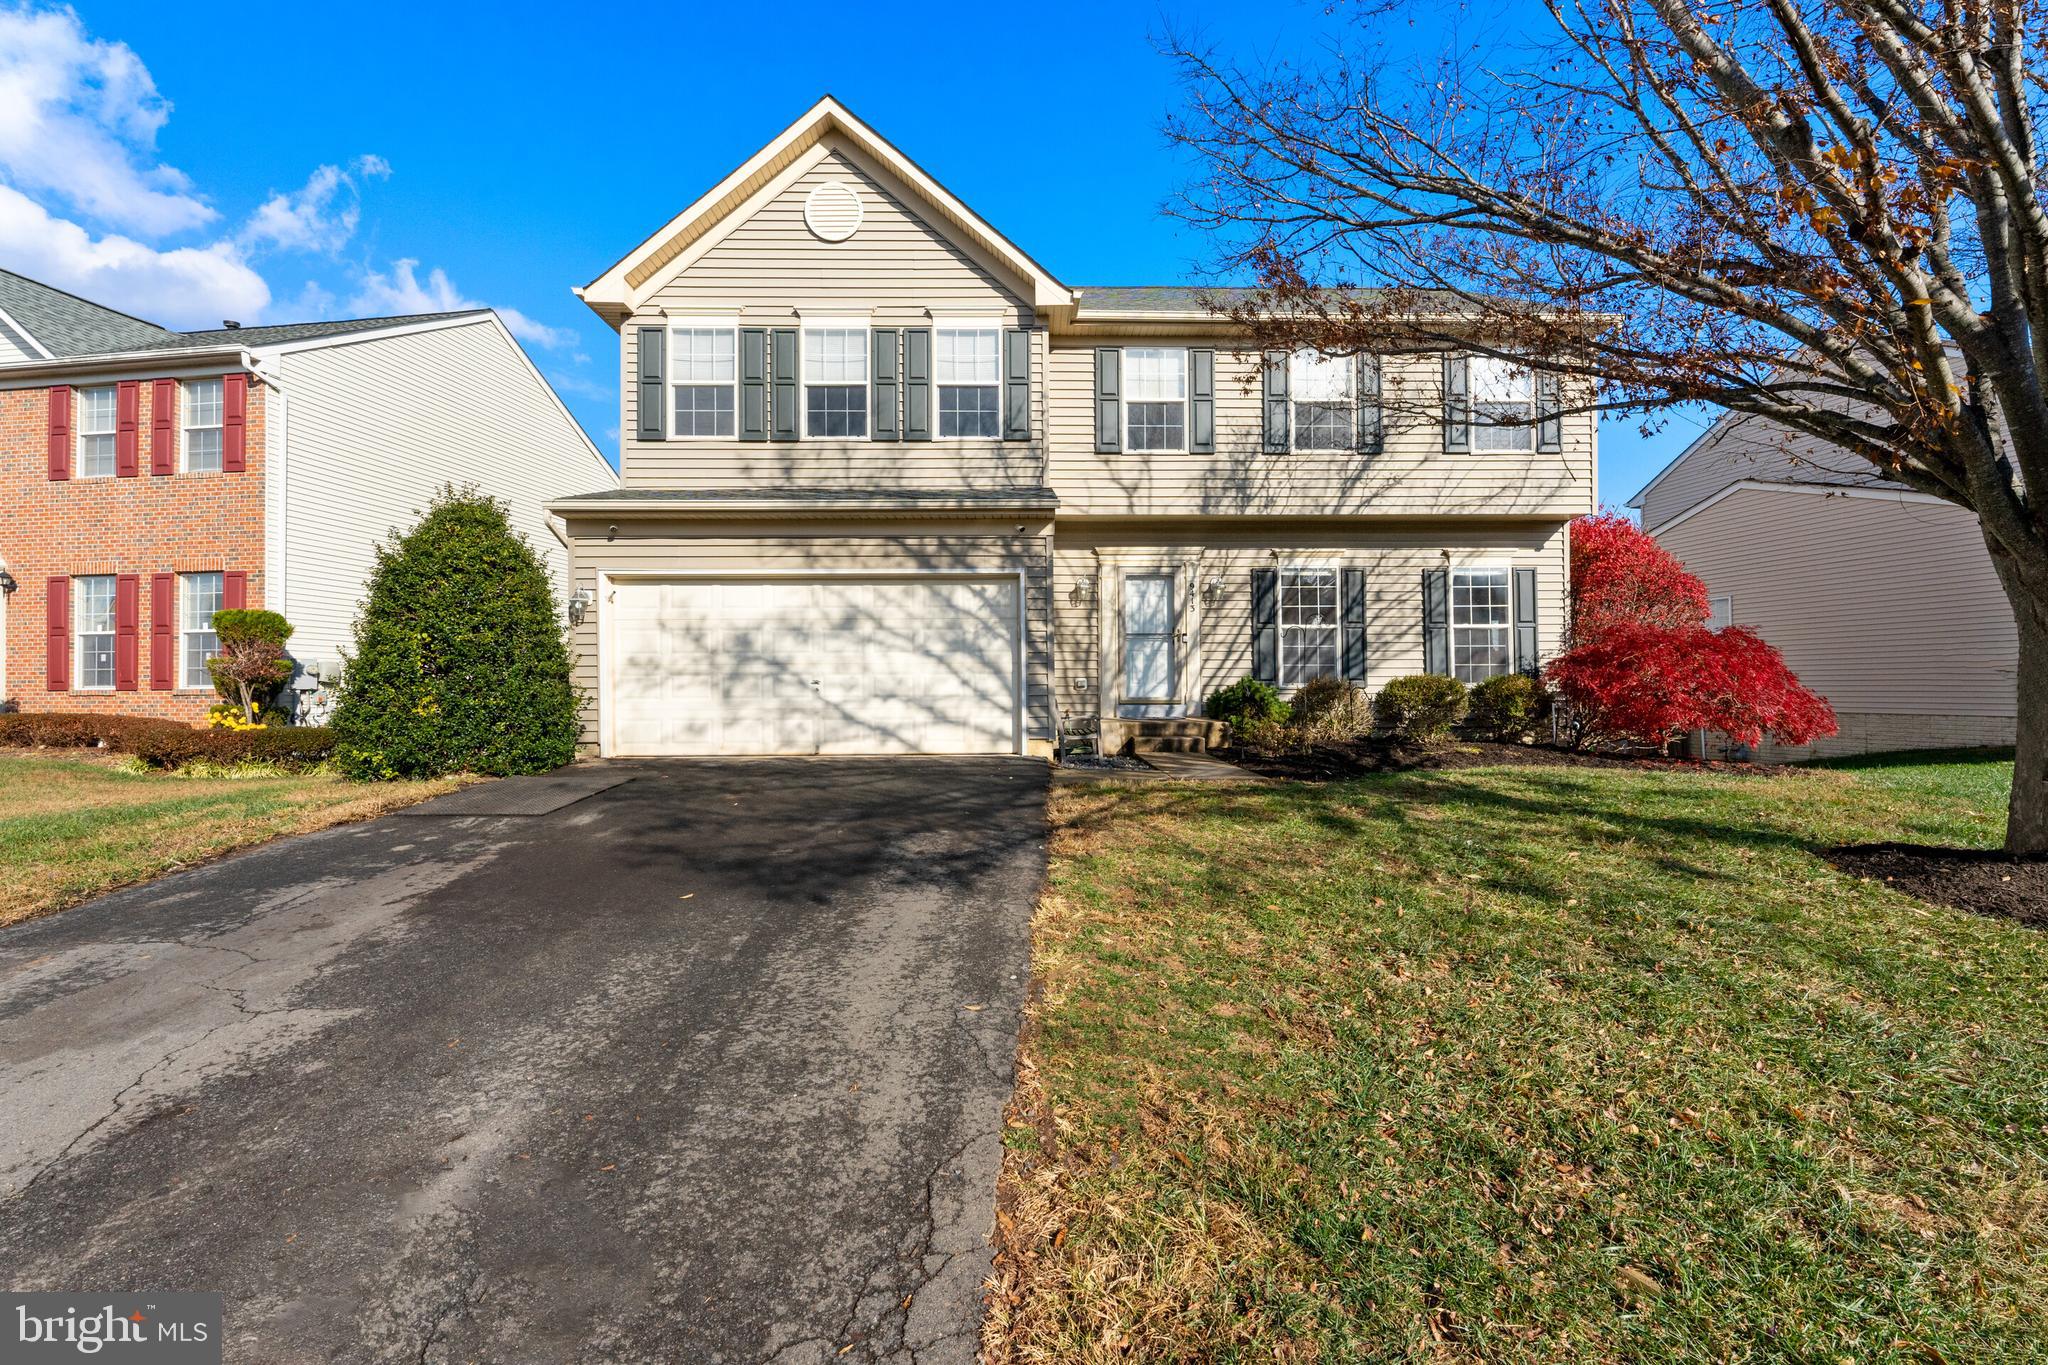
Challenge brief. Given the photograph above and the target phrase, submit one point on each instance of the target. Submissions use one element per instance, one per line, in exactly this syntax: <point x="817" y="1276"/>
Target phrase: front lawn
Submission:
<point x="1526" y="1064"/>
<point x="72" y="827"/>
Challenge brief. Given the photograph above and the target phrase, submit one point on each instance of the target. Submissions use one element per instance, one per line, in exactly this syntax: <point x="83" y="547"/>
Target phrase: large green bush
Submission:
<point x="459" y="663"/>
<point x="1246" y="703"/>
<point x="1506" y="708"/>
<point x="1420" y="707"/>
<point x="1329" y="710"/>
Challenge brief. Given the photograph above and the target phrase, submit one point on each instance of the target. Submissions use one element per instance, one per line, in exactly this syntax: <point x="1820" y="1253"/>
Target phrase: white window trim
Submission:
<point x="973" y="324"/>
<point x="1472" y="410"/>
<point x="184" y="629"/>
<point x="1294" y="419"/>
<point x="79" y="433"/>
<point x="1727" y="613"/>
<point x="78" y="681"/>
<point x="1186" y="400"/>
<point x="1331" y="563"/>
<point x="1451" y="626"/>
<point x="866" y="327"/>
<point x="185" y="429"/>
<point x="668" y="379"/>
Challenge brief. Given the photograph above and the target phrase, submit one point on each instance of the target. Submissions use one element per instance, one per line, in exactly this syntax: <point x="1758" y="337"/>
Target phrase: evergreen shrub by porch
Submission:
<point x="1506" y="708"/>
<point x="1246" y="703"/>
<point x="1420" y="707"/>
<point x="459" y="663"/>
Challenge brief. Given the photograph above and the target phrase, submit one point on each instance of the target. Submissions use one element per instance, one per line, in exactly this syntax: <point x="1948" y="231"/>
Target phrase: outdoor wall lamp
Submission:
<point x="1212" y="591"/>
<point x="7" y="583"/>
<point x="1083" y="591"/>
<point x="579" y="605"/>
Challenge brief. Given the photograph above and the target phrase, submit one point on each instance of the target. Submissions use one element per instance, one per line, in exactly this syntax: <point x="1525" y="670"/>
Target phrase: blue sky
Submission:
<point x="320" y="161"/>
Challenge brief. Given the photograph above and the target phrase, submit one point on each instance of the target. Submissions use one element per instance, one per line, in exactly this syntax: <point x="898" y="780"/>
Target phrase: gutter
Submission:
<point x="30" y="373"/>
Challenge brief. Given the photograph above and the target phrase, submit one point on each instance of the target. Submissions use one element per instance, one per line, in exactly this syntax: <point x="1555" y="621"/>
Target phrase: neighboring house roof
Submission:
<point x="62" y="324"/>
<point x="1739" y="447"/>
<point x="614" y="294"/>
<point x="299" y="331"/>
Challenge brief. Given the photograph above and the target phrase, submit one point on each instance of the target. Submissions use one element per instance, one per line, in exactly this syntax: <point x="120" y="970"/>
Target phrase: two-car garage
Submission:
<point x="828" y="664"/>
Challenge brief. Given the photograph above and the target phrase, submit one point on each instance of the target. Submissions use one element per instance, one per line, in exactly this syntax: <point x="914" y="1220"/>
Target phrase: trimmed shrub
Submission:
<point x="1506" y="708"/>
<point x="1329" y="710"/>
<point x="72" y="730"/>
<point x="251" y="663"/>
<point x="1420" y="707"/>
<point x="458" y="662"/>
<point x="167" y="744"/>
<point x="1245" y="703"/>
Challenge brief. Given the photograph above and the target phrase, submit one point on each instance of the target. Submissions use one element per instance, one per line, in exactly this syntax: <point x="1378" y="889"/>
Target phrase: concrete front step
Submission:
<point x="1174" y="735"/>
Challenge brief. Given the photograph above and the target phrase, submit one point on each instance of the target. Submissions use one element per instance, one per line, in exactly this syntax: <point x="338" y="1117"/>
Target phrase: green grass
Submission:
<point x="1530" y="1064"/>
<point x="72" y="827"/>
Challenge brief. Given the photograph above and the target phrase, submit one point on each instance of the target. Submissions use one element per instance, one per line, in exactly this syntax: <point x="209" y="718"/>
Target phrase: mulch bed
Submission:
<point x="1982" y="881"/>
<point x="1324" y="762"/>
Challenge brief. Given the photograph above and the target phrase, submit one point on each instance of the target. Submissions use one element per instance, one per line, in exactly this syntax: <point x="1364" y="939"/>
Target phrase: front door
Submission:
<point x="1150" y="643"/>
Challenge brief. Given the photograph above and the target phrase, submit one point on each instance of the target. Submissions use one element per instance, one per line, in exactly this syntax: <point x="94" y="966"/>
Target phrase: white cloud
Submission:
<point x="401" y="290"/>
<point x="184" y="287"/>
<point x="79" y="119"/>
<point x="581" y="385"/>
<point x="321" y="216"/>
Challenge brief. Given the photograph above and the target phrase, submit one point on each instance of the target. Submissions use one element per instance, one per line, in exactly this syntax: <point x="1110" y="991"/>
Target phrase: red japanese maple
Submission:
<point x="1641" y="665"/>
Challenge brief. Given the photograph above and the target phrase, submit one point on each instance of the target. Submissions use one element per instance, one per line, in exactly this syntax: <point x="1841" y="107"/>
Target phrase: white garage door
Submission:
<point x="824" y="666"/>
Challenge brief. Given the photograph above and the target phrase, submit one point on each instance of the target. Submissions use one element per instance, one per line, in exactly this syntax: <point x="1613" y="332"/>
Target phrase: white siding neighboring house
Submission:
<point x="1882" y="599"/>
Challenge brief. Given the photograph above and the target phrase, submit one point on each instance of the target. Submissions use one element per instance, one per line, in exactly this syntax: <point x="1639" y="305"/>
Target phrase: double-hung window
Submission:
<point x="704" y="377"/>
<point x="1503" y="405"/>
<point x="836" y="382"/>
<point x="1309" y="625"/>
<point x="1720" y="611"/>
<point x="92" y="629"/>
<point x="96" y="433"/>
<point x="1324" y="390"/>
<point x="1156" y="398"/>
<point x="969" y="375"/>
<point x="199" y="597"/>
<point x="1481" y="630"/>
<point x="203" y="410"/>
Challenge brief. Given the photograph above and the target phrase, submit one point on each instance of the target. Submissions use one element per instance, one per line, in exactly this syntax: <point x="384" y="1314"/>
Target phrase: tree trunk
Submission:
<point x="2026" y="824"/>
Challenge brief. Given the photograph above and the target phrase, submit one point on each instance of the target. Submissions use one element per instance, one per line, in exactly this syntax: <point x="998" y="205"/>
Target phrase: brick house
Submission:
<point x="150" y="477"/>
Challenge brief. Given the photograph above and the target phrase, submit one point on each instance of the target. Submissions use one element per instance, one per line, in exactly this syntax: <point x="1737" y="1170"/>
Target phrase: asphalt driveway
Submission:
<point x="706" y="1067"/>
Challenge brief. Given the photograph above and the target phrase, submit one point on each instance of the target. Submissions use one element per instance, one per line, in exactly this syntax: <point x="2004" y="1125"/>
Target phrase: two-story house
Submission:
<point x="150" y="477"/>
<point x="890" y="486"/>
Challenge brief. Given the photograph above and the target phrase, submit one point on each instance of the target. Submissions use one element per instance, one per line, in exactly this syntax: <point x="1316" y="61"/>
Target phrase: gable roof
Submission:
<point x="614" y="294"/>
<point x="63" y="324"/>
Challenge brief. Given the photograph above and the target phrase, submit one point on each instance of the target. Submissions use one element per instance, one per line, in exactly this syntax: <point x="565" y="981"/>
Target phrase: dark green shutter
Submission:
<point x="652" y="390"/>
<point x="1266" y="625"/>
<point x="1371" y="425"/>
<point x="1457" y="404"/>
<point x="1549" y="421"/>
<point x="883" y="380"/>
<point x="1017" y="384"/>
<point x="753" y="383"/>
<point x="1202" y="402"/>
<point x="782" y="412"/>
<point x="1353" y="582"/>
<point x="917" y="383"/>
<point x="1436" y="620"/>
<point x="1109" y="403"/>
<point x="1525" y="621"/>
<point x="1276" y="405"/>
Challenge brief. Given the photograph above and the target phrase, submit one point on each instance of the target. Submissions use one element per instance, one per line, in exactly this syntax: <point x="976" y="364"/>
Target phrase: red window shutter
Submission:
<point x="163" y="428"/>
<point x="234" y="401"/>
<point x="57" y="622"/>
<point x="127" y="632"/>
<point x="127" y="418"/>
<point x="60" y="436"/>
<point x="163" y="629"/>
<point x="234" y="591"/>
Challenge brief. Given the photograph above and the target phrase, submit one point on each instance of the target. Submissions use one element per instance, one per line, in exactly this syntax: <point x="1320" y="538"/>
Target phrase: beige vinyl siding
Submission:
<point x="1394" y="559"/>
<point x="742" y="548"/>
<point x="373" y="428"/>
<point x="1881" y="605"/>
<point x="1411" y="476"/>
<point x="1741" y="448"/>
<point x="898" y="270"/>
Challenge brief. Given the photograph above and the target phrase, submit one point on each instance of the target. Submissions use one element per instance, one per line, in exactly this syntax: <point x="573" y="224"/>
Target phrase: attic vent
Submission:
<point x="832" y="211"/>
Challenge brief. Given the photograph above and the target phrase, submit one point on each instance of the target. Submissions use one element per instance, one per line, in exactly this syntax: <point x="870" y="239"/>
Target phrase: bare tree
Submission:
<point x="1825" y="213"/>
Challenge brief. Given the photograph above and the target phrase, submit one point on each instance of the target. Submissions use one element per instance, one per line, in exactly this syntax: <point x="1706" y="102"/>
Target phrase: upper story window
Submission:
<point x="1480" y="624"/>
<point x="1155" y="398"/>
<point x="1309" y="625"/>
<point x="92" y="629"/>
<point x="969" y="374"/>
<point x="1503" y="405"/>
<point x="1324" y="390"/>
<point x="1720" y="612"/>
<point x="703" y="375"/>
<point x="96" y="437"/>
<point x="200" y="597"/>
<point x="836" y="382"/>
<point x="203" y="409"/>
